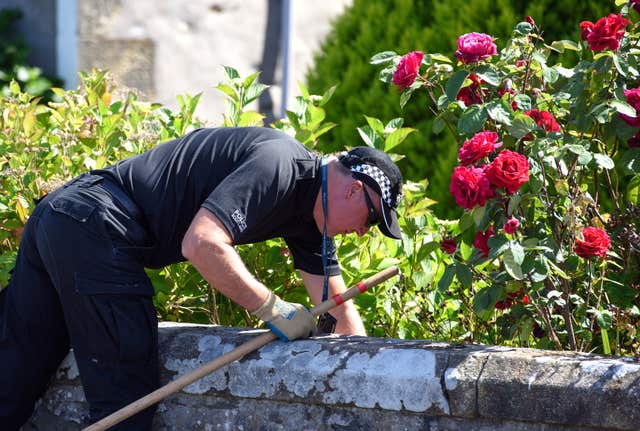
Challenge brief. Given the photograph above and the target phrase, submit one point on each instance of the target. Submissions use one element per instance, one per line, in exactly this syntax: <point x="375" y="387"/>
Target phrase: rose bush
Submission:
<point x="565" y="187"/>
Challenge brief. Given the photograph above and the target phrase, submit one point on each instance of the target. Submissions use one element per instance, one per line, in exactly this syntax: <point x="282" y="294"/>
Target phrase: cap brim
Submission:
<point x="389" y="225"/>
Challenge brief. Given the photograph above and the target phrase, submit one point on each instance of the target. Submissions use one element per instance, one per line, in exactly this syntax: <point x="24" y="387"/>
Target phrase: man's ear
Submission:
<point x="354" y="187"/>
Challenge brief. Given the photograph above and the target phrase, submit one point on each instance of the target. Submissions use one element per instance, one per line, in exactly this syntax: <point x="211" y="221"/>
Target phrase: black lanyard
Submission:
<point x="323" y="174"/>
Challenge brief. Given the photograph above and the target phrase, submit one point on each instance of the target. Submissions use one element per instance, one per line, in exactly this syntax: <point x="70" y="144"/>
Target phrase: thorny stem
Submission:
<point x="544" y="313"/>
<point x="566" y="313"/>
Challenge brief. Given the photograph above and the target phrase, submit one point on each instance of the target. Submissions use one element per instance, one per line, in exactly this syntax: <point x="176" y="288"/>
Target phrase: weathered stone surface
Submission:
<point x="354" y="383"/>
<point x="559" y="388"/>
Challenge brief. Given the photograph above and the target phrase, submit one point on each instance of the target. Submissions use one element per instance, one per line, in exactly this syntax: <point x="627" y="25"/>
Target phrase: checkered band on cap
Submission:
<point x="380" y="178"/>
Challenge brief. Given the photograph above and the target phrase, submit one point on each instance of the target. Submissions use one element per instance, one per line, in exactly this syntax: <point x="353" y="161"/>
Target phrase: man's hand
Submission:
<point x="288" y="320"/>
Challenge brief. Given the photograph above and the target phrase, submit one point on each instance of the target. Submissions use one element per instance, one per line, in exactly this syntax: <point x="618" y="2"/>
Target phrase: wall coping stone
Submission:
<point x="341" y="382"/>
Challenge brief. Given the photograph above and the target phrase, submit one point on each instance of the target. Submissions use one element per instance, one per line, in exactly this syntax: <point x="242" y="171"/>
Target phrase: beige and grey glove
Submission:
<point x="288" y="320"/>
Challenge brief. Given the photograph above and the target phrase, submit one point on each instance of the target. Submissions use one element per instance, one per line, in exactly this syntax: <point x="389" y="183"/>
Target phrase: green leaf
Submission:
<point x="630" y="161"/>
<point x="489" y="75"/>
<point x="523" y="101"/>
<point x="633" y="190"/>
<point x="386" y="74"/>
<point x="326" y="96"/>
<point x="228" y="90"/>
<point x="550" y="74"/>
<point x="472" y="120"/>
<point x="561" y="45"/>
<point x="447" y="278"/>
<point x="454" y="84"/>
<point x="523" y="28"/>
<point x="230" y="73"/>
<point x="621" y="65"/>
<point x="514" y="202"/>
<point x="517" y="252"/>
<point x="601" y="112"/>
<point x="368" y="136"/>
<point x="375" y="124"/>
<point x="405" y="96"/>
<point x="463" y="273"/>
<point x="396" y="138"/>
<point x="383" y="57"/>
<point x="253" y="93"/>
<point x="394" y="124"/>
<point x="622" y="107"/>
<point x="511" y="265"/>
<point x="438" y="125"/>
<point x="498" y="244"/>
<point x="604" y="161"/>
<point x="606" y="345"/>
<point x="482" y="301"/>
<point x="250" y="118"/>
<point x="521" y="125"/>
<point x="250" y="79"/>
<point x="500" y="111"/>
<point x="604" y="319"/>
<point x="437" y="57"/>
<point x="478" y="214"/>
<point x="304" y="91"/>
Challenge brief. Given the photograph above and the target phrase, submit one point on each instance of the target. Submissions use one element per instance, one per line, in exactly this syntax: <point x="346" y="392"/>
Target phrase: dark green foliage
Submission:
<point x="13" y="64"/>
<point x="371" y="26"/>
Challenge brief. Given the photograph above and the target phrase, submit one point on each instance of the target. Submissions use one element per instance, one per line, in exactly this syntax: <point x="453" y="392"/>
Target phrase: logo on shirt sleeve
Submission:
<point x="240" y="220"/>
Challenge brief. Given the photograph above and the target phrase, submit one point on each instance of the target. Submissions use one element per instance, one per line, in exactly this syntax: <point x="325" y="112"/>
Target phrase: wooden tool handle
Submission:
<point x="237" y="353"/>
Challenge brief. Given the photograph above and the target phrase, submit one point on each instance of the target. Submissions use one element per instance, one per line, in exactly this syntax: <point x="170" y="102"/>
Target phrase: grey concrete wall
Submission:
<point x="188" y="42"/>
<point x="353" y="383"/>
<point x="38" y="29"/>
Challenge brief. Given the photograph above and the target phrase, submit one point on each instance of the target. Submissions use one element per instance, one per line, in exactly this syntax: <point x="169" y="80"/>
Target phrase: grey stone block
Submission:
<point x="356" y="383"/>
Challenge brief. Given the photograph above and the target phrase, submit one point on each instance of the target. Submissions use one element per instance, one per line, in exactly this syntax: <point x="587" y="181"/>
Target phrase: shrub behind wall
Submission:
<point x="370" y="26"/>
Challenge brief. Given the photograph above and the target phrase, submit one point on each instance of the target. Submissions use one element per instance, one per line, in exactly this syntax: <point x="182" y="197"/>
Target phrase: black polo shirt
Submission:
<point x="260" y="183"/>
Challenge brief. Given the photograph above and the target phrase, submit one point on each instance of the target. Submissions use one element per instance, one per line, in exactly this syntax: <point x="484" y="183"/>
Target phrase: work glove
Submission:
<point x="288" y="320"/>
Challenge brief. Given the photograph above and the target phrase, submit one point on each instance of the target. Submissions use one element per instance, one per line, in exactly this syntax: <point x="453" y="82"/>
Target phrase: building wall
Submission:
<point x="38" y="29"/>
<point x="164" y="48"/>
<point x="170" y="47"/>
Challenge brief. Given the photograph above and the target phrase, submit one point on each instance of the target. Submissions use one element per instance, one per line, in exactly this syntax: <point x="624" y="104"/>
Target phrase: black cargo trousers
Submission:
<point x="79" y="282"/>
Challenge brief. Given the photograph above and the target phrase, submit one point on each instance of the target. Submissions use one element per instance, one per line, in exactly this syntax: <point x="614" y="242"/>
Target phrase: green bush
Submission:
<point x="371" y="26"/>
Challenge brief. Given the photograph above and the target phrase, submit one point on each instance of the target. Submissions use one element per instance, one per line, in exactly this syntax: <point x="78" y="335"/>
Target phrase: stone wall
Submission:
<point x="354" y="383"/>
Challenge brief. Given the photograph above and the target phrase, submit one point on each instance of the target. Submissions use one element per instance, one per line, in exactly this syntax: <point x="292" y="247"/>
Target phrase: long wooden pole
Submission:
<point x="237" y="353"/>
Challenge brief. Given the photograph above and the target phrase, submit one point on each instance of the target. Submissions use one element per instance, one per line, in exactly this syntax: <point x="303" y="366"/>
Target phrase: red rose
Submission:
<point x="448" y="246"/>
<point x="474" y="93"/>
<point x="635" y="141"/>
<point x="481" y="241"/>
<point x="512" y="225"/>
<point x="509" y="171"/>
<point x="470" y="187"/>
<point x="473" y="47"/>
<point x="407" y="69"/>
<point x="594" y="242"/>
<point x="480" y="146"/>
<point x="510" y="299"/>
<point x="605" y="33"/>
<point x="530" y="21"/>
<point x="633" y="99"/>
<point x="544" y="119"/>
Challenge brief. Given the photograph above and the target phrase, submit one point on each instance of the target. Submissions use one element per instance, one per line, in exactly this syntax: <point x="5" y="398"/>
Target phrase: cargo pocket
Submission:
<point x="121" y="322"/>
<point x="77" y="209"/>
